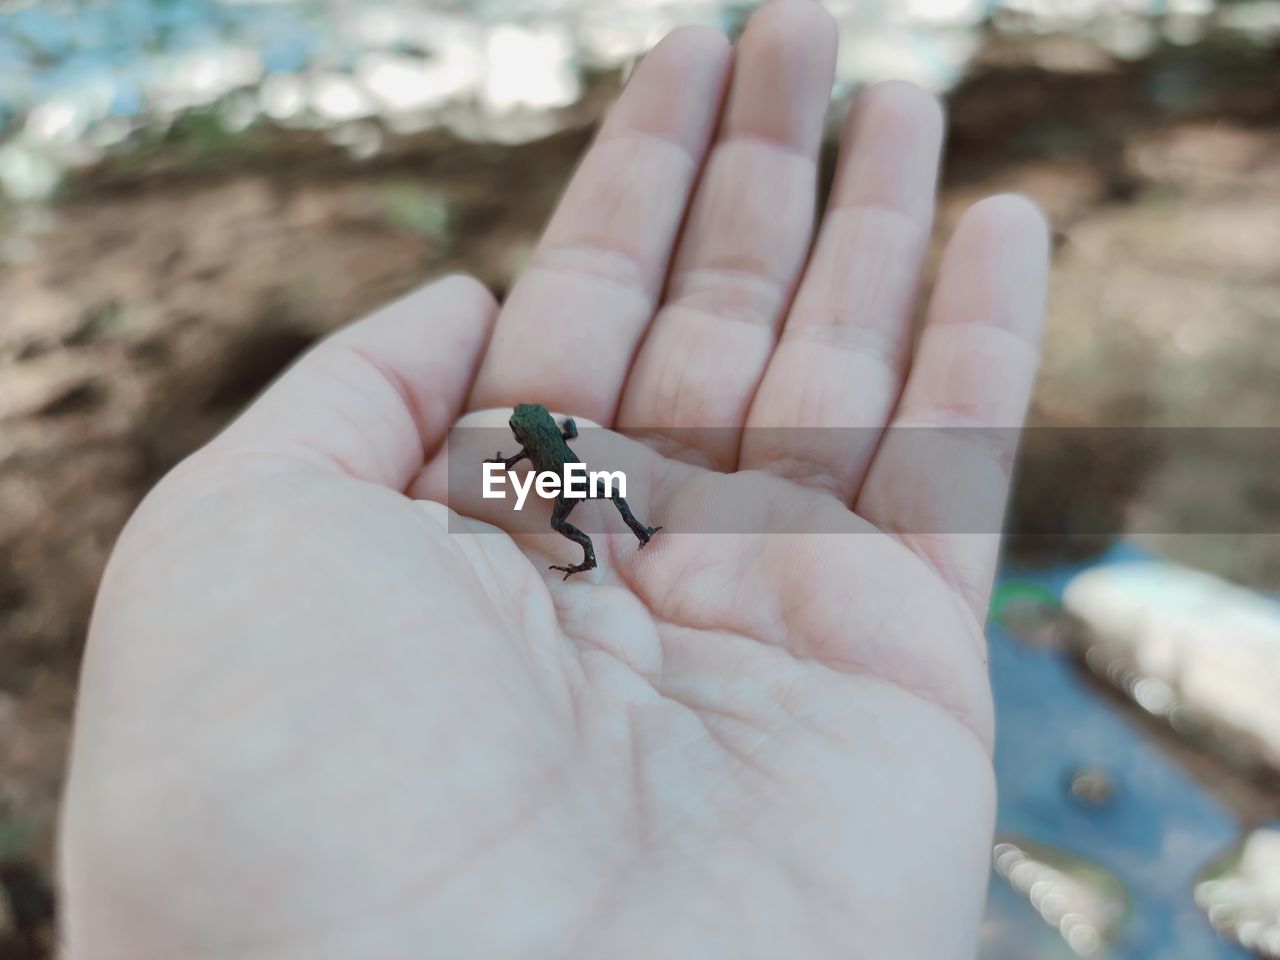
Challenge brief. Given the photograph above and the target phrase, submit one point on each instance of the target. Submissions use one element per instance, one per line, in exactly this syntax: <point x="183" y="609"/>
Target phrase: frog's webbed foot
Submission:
<point x="576" y="568"/>
<point x="648" y="535"/>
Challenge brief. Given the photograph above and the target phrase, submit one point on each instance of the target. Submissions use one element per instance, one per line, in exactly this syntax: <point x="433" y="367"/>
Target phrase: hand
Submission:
<point x="315" y="723"/>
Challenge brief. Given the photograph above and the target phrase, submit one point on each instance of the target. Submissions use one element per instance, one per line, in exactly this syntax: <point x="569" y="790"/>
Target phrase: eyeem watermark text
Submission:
<point x="576" y="483"/>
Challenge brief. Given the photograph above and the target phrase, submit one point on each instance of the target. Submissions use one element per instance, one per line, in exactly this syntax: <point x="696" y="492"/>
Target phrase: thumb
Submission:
<point x="375" y="399"/>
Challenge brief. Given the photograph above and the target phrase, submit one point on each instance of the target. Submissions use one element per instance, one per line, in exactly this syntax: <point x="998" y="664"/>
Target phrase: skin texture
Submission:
<point x="316" y="723"/>
<point x="544" y="445"/>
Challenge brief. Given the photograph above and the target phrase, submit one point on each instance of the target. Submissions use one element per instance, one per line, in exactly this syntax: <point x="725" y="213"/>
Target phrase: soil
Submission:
<point x="164" y="294"/>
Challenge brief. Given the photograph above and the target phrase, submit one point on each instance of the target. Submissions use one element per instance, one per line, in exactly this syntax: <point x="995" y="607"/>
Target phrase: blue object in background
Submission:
<point x="1155" y="831"/>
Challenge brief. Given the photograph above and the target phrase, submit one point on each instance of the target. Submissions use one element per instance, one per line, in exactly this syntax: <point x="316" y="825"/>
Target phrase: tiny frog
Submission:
<point x="543" y="443"/>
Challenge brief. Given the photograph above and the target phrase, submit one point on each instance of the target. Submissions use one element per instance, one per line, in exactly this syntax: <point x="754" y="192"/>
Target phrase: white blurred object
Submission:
<point x="339" y="99"/>
<point x="933" y="59"/>
<point x="530" y="68"/>
<point x="1082" y="901"/>
<point x="26" y="173"/>
<point x="1214" y="645"/>
<point x="1244" y="901"/>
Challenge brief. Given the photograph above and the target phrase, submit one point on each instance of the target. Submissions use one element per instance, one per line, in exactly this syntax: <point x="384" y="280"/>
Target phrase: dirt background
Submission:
<point x="166" y="290"/>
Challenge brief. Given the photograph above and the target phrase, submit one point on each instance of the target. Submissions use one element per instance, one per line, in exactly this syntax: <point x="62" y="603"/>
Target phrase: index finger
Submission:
<point x="571" y="325"/>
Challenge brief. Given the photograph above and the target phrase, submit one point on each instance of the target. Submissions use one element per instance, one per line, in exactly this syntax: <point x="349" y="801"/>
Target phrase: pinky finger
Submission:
<point x="942" y="489"/>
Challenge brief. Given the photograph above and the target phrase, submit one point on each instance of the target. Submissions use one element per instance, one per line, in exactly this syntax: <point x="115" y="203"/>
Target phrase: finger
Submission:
<point x="838" y="368"/>
<point x="943" y="489"/>
<point x="377" y="398"/>
<point x="748" y="231"/>
<point x="569" y="329"/>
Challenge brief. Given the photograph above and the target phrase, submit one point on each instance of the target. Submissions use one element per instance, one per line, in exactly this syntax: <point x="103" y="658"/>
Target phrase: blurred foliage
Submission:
<point x="417" y="209"/>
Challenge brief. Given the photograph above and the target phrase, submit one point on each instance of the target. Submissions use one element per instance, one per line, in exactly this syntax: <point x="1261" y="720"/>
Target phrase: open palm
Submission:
<point x="318" y="721"/>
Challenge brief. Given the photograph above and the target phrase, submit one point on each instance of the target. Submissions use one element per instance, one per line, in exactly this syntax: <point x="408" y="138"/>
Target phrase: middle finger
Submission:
<point x="838" y="367"/>
<point x="746" y="238"/>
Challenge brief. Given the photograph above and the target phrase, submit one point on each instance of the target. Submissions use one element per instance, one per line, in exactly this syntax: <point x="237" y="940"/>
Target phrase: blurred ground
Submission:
<point x="167" y="290"/>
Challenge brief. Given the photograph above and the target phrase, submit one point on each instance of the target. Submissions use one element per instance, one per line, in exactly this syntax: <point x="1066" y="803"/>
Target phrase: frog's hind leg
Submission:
<point x="643" y="533"/>
<point x="562" y="526"/>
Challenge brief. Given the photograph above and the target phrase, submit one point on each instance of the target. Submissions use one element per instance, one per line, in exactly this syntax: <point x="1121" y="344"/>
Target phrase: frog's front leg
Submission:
<point x="508" y="462"/>
<point x="570" y="429"/>
<point x="562" y="526"/>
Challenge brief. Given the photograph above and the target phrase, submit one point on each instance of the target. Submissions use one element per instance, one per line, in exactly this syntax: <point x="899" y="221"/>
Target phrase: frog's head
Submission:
<point x="525" y="419"/>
